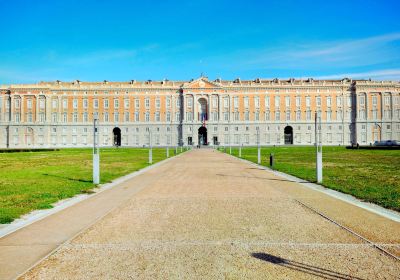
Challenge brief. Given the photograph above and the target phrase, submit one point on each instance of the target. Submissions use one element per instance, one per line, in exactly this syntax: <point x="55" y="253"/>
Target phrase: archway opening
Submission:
<point x="117" y="136"/>
<point x="288" y="135"/>
<point x="202" y="135"/>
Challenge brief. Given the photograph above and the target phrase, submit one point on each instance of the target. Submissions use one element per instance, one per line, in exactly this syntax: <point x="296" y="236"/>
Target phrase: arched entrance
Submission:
<point x="117" y="136"/>
<point x="203" y="135"/>
<point x="288" y="135"/>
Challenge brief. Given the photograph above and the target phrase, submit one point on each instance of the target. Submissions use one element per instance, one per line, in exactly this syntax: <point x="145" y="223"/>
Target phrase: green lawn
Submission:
<point x="371" y="175"/>
<point x="35" y="180"/>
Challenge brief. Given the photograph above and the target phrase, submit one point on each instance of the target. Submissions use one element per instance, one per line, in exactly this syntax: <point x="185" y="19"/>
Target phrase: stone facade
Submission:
<point x="277" y="112"/>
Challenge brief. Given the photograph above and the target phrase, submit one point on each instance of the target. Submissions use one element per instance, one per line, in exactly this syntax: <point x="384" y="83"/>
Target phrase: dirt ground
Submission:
<point x="207" y="215"/>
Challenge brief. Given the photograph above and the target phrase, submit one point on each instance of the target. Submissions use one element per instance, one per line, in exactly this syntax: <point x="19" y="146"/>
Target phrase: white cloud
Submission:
<point x="387" y="74"/>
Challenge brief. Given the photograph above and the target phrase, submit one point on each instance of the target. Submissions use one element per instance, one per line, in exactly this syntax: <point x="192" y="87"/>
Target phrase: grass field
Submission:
<point x="35" y="180"/>
<point x="371" y="175"/>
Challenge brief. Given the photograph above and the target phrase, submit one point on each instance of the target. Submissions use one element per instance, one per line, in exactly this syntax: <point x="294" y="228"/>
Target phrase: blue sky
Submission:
<point x="178" y="40"/>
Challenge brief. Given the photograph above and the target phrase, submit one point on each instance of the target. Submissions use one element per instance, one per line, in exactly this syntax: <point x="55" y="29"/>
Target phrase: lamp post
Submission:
<point x="151" y="148"/>
<point x="318" y="145"/>
<point x="258" y="146"/>
<point x="96" y="154"/>
<point x="9" y="118"/>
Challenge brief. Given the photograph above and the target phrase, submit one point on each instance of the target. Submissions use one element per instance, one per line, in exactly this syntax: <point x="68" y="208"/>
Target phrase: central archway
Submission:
<point x="117" y="136"/>
<point x="202" y="135"/>
<point x="288" y="135"/>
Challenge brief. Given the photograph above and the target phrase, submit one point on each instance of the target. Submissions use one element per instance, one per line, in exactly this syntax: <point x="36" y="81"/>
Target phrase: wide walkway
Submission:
<point x="205" y="215"/>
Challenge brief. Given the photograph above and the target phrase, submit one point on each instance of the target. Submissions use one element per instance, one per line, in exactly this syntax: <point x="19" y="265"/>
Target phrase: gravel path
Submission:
<point x="207" y="215"/>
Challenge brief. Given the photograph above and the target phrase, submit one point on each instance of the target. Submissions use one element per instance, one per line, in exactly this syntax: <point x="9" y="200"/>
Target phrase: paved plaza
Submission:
<point x="204" y="215"/>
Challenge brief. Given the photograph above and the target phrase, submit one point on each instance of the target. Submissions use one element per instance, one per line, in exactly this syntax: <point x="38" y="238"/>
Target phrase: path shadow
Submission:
<point x="67" y="178"/>
<point x="302" y="267"/>
<point x="262" y="178"/>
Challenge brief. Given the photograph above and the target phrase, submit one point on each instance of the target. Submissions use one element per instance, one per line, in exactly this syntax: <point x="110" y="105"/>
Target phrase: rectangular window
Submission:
<point x="214" y="102"/>
<point x="65" y="104"/>
<point x="374" y="100"/>
<point x="126" y="103"/>
<point x="54" y="103"/>
<point x="41" y="103"/>
<point x="85" y="103"/>
<point x="85" y="117"/>
<point x="362" y="100"/>
<point x="298" y="101"/>
<point x="178" y="102"/>
<point x="267" y="102"/>
<point x="308" y="115"/>
<point x="236" y="102"/>
<point x="147" y="103"/>
<point x="75" y="117"/>
<point x="116" y="117"/>
<point x="29" y="103"/>
<point x="158" y="103"/>
<point x="157" y="116"/>
<point x="189" y="102"/>
<point x="288" y="115"/>
<point x="257" y="102"/>
<point x="106" y="117"/>
<point x="147" y="116"/>
<point x="328" y="101"/>
<point x="277" y="101"/>
<point x="137" y="116"/>
<point x="137" y="103"/>
<point x="287" y="101"/>
<point x="246" y="102"/>
<point x="116" y="103"/>
<point x="226" y="116"/>
<point x="75" y="103"/>
<point x="339" y="101"/>
<point x="17" y="103"/>
<point x="54" y="117"/>
<point x="42" y="117"/>
<point x="298" y="115"/>
<point x="387" y="100"/>
<point x="277" y="115"/>
<point x="95" y="103"/>
<point x="17" y="117"/>
<point x="267" y="115"/>
<point x="126" y="116"/>
<point x="308" y="101"/>
<point x="226" y="102"/>
<point x="177" y="117"/>
<point x="168" y="116"/>
<point x="105" y="103"/>
<point x="318" y="101"/>
<point x="168" y="102"/>
<point x="189" y="116"/>
<point x="257" y="116"/>
<point x="329" y="115"/>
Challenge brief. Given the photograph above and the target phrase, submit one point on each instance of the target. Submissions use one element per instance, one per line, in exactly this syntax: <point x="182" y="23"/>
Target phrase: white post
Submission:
<point x="167" y="151"/>
<point x="230" y="136"/>
<point x="96" y="155"/>
<point x="318" y="144"/>
<point x="151" y="149"/>
<point x="258" y="147"/>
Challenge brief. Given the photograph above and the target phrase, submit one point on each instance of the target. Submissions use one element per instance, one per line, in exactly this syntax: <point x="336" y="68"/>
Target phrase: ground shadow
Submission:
<point x="305" y="268"/>
<point x="262" y="178"/>
<point x="67" y="178"/>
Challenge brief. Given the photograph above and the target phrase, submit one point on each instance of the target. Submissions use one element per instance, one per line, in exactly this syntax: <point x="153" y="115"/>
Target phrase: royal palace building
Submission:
<point x="201" y="111"/>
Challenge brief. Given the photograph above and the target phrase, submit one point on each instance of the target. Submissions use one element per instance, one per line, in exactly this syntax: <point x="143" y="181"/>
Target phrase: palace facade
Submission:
<point x="200" y="111"/>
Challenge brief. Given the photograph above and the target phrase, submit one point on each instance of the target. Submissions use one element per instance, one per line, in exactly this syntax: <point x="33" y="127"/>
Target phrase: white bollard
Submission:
<point x="96" y="169"/>
<point x="150" y="155"/>
<point x="319" y="166"/>
<point x="167" y="152"/>
<point x="240" y="151"/>
<point x="259" y="155"/>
